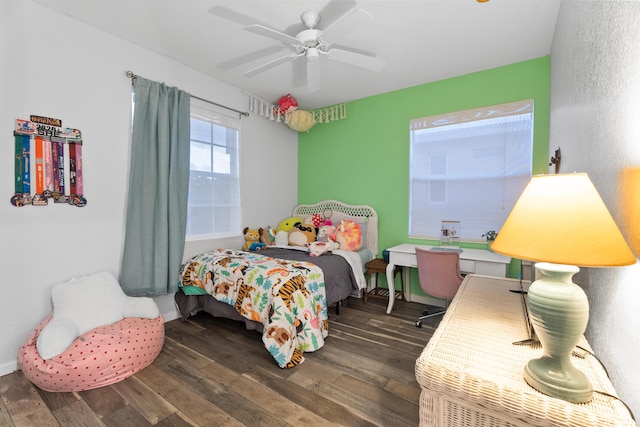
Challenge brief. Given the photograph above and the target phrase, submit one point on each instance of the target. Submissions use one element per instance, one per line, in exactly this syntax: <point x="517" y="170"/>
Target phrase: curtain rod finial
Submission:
<point x="132" y="76"/>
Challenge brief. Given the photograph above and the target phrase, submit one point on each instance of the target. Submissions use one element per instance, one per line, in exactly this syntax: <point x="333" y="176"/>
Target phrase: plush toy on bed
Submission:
<point x="326" y="232"/>
<point x="282" y="238"/>
<point x="315" y="219"/>
<point x="251" y="236"/>
<point x="319" y="248"/>
<point x="267" y="235"/>
<point x="301" y="234"/>
<point x="349" y="235"/>
<point x="288" y="223"/>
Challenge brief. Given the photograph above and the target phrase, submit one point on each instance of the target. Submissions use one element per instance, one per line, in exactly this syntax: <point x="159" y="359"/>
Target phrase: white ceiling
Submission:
<point x="421" y="40"/>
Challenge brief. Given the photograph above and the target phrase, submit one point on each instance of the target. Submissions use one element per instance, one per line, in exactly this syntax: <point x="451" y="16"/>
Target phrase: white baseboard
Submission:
<point x="171" y="315"/>
<point x="7" y="368"/>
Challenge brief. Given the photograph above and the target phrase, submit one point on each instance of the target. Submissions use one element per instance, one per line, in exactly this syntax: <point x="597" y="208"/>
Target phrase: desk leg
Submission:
<point x="407" y="283"/>
<point x="391" y="283"/>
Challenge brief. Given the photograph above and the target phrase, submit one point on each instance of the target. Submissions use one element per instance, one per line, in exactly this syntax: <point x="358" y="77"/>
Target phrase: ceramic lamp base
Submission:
<point x="559" y="313"/>
<point x="567" y="383"/>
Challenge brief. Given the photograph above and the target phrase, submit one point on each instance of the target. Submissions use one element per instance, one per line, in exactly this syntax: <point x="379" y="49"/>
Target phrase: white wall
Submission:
<point x="595" y="120"/>
<point x="58" y="67"/>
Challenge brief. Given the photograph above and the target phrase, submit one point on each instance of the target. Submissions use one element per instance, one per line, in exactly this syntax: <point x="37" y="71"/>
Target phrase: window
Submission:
<point x="469" y="166"/>
<point x="214" y="184"/>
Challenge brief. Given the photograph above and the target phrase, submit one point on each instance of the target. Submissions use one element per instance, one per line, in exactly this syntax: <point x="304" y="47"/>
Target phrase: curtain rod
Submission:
<point x="133" y="78"/>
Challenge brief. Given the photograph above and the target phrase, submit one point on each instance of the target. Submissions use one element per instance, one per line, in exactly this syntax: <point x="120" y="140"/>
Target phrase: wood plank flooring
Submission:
<point x="213" y="372"/>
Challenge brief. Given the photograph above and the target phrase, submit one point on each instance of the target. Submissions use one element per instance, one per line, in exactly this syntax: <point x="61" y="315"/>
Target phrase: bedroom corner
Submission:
<point x="45" y="245"/>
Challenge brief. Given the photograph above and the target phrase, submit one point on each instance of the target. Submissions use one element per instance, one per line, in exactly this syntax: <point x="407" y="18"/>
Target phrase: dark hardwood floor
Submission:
<point x="213" y="372"/>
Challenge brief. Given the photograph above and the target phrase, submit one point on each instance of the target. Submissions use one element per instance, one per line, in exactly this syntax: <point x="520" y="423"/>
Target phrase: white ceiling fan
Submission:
<point x="312" y="41"/>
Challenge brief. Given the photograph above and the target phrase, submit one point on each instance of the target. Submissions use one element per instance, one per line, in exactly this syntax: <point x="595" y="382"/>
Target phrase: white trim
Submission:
<point x="8" y="368"/>
<point x="481" y="113"/>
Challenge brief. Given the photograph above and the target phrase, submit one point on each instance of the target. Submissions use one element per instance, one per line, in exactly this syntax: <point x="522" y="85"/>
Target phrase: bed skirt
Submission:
<point x="188" y="305"/>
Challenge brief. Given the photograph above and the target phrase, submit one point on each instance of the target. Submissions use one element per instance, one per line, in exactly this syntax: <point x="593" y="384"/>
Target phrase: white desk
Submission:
<point x="472" y="261"/>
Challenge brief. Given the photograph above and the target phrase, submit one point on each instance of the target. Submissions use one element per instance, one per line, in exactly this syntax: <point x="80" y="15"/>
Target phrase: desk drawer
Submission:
<point x="402" y="258"/>
<point x="467" y="266"/>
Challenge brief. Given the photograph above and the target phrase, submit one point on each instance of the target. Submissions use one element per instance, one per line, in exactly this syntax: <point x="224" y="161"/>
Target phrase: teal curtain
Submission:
<point x="156" y="215"/>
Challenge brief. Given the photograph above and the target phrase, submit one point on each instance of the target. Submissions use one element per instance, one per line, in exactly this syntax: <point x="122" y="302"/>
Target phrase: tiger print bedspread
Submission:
<point x="287" y="297"/>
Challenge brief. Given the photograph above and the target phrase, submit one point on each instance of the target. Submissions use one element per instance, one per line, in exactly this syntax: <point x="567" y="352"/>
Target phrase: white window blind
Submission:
<point x="469" y="166"/>
<point x="214" y="180"/>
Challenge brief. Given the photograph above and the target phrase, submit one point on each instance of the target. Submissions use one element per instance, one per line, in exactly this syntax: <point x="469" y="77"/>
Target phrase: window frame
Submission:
<point x="437" y="130"/>
<point x="206" y="112"/>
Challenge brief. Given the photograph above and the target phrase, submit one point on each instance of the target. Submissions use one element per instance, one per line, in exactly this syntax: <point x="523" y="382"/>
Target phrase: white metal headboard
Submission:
<point x="337" y="211"/>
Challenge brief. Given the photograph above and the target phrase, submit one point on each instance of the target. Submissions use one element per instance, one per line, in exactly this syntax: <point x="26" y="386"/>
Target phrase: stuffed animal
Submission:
<point x="256" y="246"/>
<point x="267" y="235"/>
<point x="299" y="120"/>
<point x="301" y="234"/>
<point x="286" y="104"/>
<point x="288" y="223"/>
<point x="349" y="235"/>
<point x="326" y="232"/>
<point x="315" y="219"/>
<point x="282" y="238"/>
<point x="319" y="248"/>
<point x="251" y="235"/>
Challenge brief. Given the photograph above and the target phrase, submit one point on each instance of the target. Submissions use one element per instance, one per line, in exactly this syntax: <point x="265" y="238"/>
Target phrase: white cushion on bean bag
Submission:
<point x="87" y="302"/>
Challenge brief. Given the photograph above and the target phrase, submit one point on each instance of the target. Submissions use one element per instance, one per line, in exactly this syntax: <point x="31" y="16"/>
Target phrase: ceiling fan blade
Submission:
<point x="352" y="49"/>
<point x="357" y="59"/>
<point x="272" y="34"/>
<point x="232" y="15"/>
<point x="243" y="59"/>
<point x="275" y="62"/>
<point x="334" y="11"/>
<point x="354" y="20"/>
<point x="351" y="21"/>
<point x="313" y="76"/>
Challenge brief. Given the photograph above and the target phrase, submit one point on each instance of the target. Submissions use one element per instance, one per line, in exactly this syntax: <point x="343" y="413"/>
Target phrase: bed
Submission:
<point x="281" y="291"/>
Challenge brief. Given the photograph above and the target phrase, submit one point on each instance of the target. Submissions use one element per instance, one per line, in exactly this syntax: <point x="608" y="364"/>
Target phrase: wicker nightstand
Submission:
<point x="374" y="267"/>
<point x="471" y="374"/>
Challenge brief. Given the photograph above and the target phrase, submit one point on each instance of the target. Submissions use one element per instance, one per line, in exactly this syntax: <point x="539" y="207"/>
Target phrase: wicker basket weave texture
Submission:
<point x="471" y="374"/>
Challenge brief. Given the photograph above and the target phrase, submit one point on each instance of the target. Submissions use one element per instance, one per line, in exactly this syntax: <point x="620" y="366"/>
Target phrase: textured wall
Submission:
<point x="595" y="119"/>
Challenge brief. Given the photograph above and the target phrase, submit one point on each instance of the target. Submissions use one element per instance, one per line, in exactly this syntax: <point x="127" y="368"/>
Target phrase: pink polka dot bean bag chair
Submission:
<point x="96" y="336"/>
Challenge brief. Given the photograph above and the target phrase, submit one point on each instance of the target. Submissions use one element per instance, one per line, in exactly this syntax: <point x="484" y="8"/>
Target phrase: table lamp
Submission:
<point x="561" y="222"/>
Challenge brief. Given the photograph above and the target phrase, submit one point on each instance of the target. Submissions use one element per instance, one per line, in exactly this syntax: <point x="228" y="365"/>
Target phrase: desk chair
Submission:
<point x="439" y="274"/>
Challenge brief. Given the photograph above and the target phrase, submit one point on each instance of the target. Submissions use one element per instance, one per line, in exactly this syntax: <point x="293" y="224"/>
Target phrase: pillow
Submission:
<point x="364" y="226"/>
<point x="59" y="335"/>
<point x="140" y="307"/>
<point x="84" y="303"/>
<point x="89" y="301"/>
<point x="349" y="235"/>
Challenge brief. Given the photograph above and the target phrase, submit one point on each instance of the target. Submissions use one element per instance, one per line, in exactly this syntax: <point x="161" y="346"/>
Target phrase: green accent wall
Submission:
<point x="364" y="159"/>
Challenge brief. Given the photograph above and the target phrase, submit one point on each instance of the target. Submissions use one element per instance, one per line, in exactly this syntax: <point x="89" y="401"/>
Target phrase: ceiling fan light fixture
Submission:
<point x="310" y="18"/>
<point x="313" y="55"/>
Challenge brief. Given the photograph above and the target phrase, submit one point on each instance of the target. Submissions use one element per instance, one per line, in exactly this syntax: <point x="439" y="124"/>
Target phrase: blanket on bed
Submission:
<point x="340" y="279"/>
<point x="287" y="297"/>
